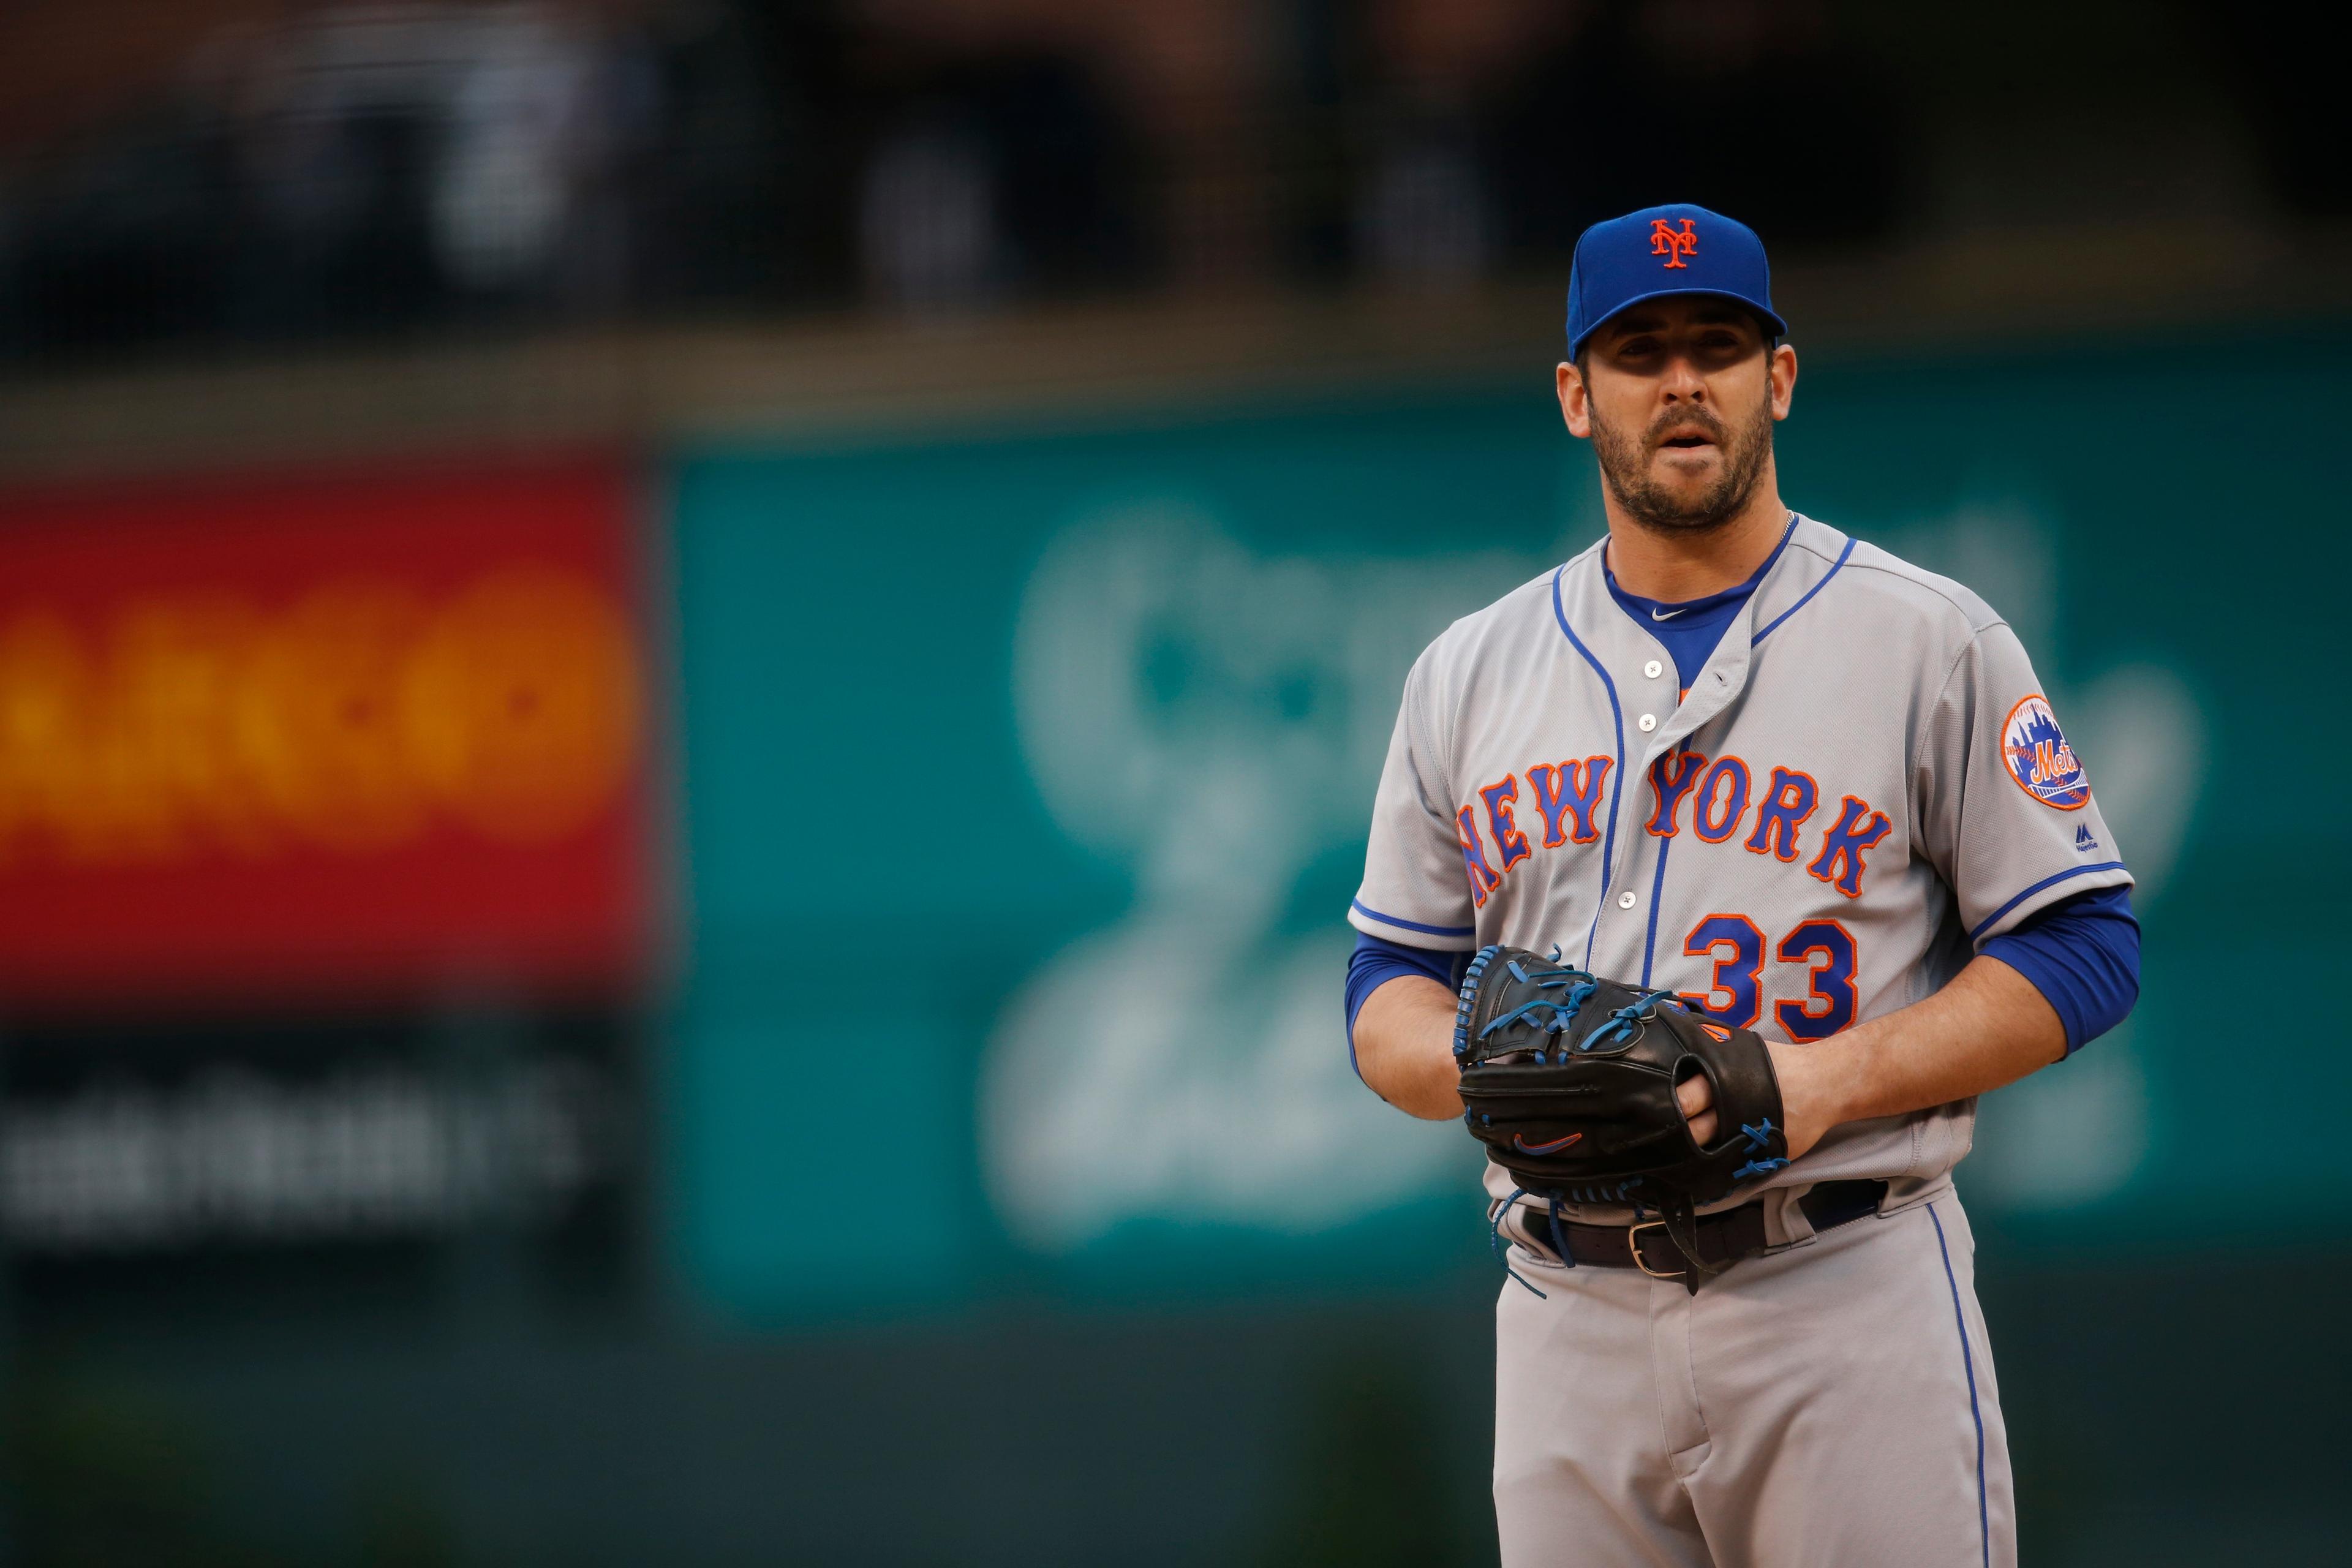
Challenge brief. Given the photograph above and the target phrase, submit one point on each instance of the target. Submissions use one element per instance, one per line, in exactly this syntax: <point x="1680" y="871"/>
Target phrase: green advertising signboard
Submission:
<point x="1078" y="728"/>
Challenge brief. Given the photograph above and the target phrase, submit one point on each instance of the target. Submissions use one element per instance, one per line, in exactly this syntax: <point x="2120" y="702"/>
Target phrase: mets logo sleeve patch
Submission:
<point x="2039" y="758"/>
<point x="2010" y="821"/>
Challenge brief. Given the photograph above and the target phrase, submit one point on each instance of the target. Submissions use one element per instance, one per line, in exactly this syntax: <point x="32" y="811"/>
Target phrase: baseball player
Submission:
<point x="1782" y="785"/>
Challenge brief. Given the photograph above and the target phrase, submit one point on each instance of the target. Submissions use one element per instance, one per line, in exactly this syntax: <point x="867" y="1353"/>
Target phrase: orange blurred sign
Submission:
<point x="352" y="734"/>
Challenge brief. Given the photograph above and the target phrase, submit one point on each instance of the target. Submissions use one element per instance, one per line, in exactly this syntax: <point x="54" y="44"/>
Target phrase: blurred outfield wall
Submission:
<point x="1087" y="718"/>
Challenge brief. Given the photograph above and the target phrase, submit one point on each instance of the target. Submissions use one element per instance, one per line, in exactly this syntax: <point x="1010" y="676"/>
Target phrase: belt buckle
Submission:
<point x="1634" y="1245"/>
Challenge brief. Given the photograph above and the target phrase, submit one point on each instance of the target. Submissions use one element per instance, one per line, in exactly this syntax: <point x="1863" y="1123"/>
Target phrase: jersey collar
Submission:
<point x="1694" y="609"/>
<point x="1809" y="554"/>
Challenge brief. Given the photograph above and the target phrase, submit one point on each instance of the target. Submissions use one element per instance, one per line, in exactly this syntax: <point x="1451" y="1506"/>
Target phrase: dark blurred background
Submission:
<point x="538" y="541"/>
<point x="219" y="175"/>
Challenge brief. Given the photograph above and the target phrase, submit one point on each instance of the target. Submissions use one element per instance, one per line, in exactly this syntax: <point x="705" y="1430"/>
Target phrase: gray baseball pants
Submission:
<point x="1828" y="1405"/>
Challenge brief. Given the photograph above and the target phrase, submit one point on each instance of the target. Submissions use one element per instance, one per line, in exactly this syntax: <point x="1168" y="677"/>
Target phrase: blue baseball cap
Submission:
<point x="1663" y="251"/>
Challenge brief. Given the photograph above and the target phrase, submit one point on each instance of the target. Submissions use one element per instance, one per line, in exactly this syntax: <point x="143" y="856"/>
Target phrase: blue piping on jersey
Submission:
<point x="1657" y="886"/>
<point x="1967" y="1365"/>
<point x="1367" y="909"/>
<point x="1617" y="716"/>
<point x="1994" y="918"/>
<point x="1808" y="598"/>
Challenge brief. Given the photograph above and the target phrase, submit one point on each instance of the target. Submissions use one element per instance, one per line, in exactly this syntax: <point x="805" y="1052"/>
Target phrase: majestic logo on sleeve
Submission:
<point x="2039" y="758"/>
<point x="1664" y="241"/>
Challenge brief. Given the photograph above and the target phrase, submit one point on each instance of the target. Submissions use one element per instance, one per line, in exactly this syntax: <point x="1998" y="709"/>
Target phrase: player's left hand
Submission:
<point x="1803" y="1099"/>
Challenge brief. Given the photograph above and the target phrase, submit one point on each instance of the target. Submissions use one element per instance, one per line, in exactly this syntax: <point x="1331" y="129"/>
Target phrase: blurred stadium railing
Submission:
<point x="189" y="178"/>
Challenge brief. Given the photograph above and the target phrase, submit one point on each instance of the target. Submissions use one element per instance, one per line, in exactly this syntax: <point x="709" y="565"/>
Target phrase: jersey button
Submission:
<point x="1626" y="901"/>
<point x="1654" y="669"/>
<point x="1647" y="722"/>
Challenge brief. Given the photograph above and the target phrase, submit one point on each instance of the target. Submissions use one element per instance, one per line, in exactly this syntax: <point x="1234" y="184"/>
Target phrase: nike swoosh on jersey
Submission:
<point x="1668" y="615"/>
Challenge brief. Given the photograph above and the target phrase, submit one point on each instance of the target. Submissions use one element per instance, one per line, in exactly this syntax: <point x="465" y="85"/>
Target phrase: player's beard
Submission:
<point x="1625" y="469"/>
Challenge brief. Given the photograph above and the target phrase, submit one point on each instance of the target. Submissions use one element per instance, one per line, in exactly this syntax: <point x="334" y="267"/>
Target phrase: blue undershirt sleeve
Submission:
<point x="2083" y="954"/>
<point x="1377" y="961"/>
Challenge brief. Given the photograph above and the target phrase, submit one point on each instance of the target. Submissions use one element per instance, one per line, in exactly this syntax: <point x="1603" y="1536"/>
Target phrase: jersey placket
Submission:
<point x="1629" y="906"/>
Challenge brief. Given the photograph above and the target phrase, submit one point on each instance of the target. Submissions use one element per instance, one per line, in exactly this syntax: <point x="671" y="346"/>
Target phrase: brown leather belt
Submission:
<point x="1723" y="1238"/>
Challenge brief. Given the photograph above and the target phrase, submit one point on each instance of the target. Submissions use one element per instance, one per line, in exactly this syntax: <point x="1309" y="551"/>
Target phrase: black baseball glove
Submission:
<point x="1568" y="1079"/>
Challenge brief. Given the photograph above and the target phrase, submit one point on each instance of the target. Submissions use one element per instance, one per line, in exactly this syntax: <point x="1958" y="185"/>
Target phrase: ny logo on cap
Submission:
<point x="1665" y="242"/>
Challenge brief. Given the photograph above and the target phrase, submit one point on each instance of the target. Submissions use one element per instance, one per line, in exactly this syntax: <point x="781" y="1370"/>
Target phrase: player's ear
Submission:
<point x="1575" y="406"/>
<point x="1783" y="372"/>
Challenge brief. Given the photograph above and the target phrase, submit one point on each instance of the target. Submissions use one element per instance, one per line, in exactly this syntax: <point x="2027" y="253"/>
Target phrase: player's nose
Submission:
<point x="1682" y="382"/>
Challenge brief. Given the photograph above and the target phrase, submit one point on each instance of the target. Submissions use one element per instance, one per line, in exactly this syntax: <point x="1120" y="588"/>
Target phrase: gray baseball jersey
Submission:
<point x="1864" y="783"/>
